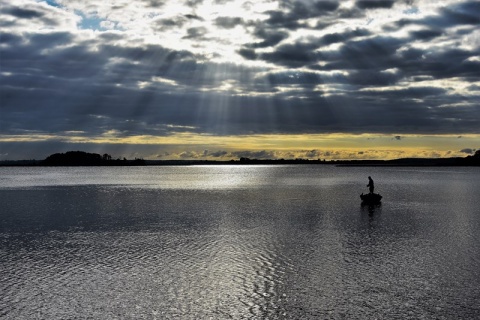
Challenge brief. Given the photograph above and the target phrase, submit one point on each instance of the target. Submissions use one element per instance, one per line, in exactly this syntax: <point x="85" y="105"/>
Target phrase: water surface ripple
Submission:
<point x="239" y="242"/>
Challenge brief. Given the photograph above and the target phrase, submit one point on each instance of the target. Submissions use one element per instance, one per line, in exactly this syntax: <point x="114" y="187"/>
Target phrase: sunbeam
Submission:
<point x="125" y="75"/>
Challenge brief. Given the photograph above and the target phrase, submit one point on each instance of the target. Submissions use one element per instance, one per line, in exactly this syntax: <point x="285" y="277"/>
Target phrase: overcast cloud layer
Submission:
<point x="121" y="68"/>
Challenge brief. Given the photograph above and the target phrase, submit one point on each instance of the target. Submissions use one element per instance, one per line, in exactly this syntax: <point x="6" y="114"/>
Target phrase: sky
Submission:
<point x="224" y="79"/>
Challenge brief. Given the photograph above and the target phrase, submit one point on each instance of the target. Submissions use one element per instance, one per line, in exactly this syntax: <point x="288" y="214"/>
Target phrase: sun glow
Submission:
<point x="311" y="146"/>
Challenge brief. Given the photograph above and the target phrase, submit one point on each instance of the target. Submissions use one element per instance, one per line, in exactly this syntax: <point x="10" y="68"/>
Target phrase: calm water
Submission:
<point x="239" y="242"/>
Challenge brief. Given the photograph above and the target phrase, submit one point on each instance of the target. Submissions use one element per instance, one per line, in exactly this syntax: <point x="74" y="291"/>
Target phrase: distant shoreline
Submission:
<point x="83" y="159"/>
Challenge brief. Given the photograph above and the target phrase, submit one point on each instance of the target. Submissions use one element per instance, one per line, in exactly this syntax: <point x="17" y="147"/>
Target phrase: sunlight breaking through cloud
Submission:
<point x="216" y="68"/>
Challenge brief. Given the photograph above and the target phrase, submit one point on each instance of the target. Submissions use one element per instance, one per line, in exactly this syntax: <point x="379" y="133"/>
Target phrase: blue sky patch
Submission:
<point x="53" y="3"/>
<point x="89" y="22"/>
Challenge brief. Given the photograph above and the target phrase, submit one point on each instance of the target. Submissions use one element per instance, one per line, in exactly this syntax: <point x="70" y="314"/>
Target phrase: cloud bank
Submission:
<point x="88" y="69"/>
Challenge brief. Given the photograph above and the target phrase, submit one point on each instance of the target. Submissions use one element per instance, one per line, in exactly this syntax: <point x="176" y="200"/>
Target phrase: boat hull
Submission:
<point x="371" y="198"/>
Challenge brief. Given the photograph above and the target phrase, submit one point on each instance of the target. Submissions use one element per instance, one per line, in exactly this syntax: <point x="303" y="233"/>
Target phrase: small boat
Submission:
<point x="371" y="198"/>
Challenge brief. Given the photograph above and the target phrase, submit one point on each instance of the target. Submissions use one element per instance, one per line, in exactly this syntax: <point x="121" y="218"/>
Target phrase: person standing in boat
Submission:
<point x="370" y="184"/>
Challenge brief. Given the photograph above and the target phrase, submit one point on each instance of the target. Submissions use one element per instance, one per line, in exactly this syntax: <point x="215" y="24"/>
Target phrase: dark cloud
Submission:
<point x="464" y="13"/>
<point x="193" y="17"/>
<point x="279" y="19"/>
<point x="22" y="13"/>
<point x="155" y="3"/>
<point x="10" y="39"/>
<point x="375" y="53"/>
<point x="196" y="33"/>
<point x="467" y="151"/>
<point x="473" y="87"/>
<point x="171" y="23"/>
<point x="327" y="5"/>
<point x="228" y="22"/>
<point x="349" y="13"/>
<point x="293" y="14"/>
<point x="411" y="93"/>
<point x="290" y="56"/>
<point x="366" y="53"/>
<point x="352" y="81"/>
<point x="450" y="62"/>
<point x="298" y="54"/>
<point x="291" y="77"/>
<point x="426" y="34"/>
<point x="270" y="37"/>
<point x="194" y="3"/>
<point x="247" y="53"/>
<point x="373" y="78"/>
<point x="344" y="36"/>
<point x="34" y="13"/>
<point x="51" y="40"/>
<point x="70" y="106"/>
<point x="152" y="107"/>
<point x="221" y="1"/>
<point x="373" y="4"/>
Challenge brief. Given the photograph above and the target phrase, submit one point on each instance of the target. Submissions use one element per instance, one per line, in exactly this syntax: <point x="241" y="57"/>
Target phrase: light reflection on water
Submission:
<point x="289" y="242"/>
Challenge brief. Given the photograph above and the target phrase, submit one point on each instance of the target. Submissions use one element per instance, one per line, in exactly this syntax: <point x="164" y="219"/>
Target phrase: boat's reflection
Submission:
<point x="371" y="208"/>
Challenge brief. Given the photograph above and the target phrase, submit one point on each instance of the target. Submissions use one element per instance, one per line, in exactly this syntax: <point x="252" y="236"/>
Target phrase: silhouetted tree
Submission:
<point x="73" y="158"/>
<point x="473" y="160"/>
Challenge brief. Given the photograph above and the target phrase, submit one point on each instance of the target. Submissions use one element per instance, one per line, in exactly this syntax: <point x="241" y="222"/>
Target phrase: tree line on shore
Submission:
<point x="81" y="158"/>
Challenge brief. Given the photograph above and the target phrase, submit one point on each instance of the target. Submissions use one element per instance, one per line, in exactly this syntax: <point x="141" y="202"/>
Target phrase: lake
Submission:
<point x="239" y="242"/>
